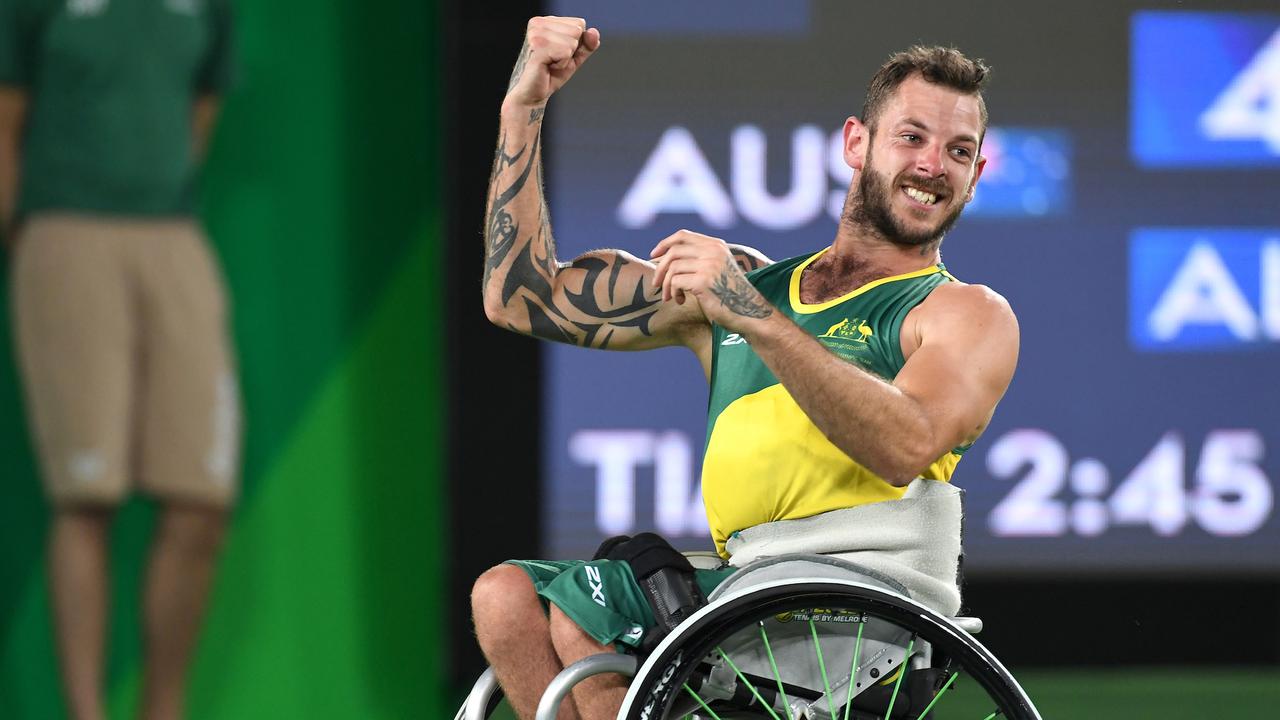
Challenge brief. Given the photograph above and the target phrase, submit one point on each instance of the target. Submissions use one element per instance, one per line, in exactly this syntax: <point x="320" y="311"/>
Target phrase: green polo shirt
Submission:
<point x="111" y="85"/>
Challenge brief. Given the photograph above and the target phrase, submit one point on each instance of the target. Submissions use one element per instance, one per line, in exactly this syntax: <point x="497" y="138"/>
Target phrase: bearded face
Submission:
<point x="917" y="163"/>
<point x="871" y="204"/>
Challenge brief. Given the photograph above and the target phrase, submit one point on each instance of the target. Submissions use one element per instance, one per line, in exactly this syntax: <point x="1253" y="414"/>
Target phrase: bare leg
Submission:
<point x="516" y="638"/>
<point x="79" y="589"/>
<point x="184" y="554"/>
<point x="598" y="697"/>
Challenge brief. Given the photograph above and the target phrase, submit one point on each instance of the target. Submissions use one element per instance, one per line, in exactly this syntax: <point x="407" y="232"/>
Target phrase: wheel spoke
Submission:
<point x="750" y="687"/>
<point x="700" y="701"/>
<point x="902" y="672"/>
<point x="937" y="697"/>
<point x="711" y="638"/>
<point x="786" y="703"/>
<point x="853" y="667"/>
<point x="822" y="666"/>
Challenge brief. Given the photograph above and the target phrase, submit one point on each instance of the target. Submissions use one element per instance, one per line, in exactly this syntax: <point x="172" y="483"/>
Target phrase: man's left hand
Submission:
<point x="691" y="263"/>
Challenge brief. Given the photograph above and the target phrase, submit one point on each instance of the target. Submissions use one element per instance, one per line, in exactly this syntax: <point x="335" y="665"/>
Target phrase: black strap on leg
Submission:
<point x="665" y="576"/>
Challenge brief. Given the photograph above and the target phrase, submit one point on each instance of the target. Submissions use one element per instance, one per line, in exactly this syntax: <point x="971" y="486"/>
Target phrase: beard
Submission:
<point x="868" y="206"/>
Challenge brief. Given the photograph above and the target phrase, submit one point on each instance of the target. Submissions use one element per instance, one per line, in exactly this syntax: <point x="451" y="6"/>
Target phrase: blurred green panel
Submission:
<point x="328" y="602"/>
<point x="322" y="199"/>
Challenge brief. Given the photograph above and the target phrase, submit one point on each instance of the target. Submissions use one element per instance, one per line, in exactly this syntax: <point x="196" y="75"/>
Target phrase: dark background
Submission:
<point x="1077" y="619"/>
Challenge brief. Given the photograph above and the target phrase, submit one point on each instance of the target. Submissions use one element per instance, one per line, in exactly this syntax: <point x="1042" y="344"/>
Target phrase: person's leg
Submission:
<point x="515" y="636"/>
<point x="184" y="553"/>
<point x="598" y="697"/>
<point x="188" y="457"/>
<point x="79" y="591"/>
<point x="73" y="332"/>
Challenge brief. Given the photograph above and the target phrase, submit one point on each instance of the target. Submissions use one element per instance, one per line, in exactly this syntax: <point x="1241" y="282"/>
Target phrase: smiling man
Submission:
<point x="845" y="383"/>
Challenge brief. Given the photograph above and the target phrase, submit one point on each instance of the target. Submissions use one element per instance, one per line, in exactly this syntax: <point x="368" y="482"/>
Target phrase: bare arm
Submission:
<point x="603" y="299"/>
<point x="204" y="115"/>
<point x="942" y="398"/>
<point x="13" y="110"/>
<point x="966" y="341"/>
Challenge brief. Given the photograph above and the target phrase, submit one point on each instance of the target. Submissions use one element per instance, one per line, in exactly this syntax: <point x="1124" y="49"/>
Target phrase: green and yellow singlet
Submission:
<point x="765" y="460"/>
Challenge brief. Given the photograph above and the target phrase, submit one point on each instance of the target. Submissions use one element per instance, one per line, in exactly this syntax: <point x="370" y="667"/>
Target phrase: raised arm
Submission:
<point x="603" y="299"/>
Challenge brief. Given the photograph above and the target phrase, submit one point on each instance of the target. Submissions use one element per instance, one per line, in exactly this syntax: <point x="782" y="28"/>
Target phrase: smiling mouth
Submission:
<point x="922" y="197"/>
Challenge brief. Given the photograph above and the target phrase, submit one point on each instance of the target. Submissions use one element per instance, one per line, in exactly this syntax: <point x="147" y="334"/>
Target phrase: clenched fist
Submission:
<point x="554" y="49"/>
<point x="690" y="263"/>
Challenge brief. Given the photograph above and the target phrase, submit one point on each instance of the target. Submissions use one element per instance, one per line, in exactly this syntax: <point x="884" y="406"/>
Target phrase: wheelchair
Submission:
<point x="802" y="637"/>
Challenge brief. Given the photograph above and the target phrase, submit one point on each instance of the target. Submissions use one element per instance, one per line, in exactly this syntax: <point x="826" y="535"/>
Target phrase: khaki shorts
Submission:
<point x="121" y="337"/>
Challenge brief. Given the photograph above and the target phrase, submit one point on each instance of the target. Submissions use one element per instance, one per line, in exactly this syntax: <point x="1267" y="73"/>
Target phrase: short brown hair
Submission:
<point x="939" y="65"/>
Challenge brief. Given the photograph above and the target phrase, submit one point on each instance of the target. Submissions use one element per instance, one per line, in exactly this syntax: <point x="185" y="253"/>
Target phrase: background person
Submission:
<point x="106" y="107"/>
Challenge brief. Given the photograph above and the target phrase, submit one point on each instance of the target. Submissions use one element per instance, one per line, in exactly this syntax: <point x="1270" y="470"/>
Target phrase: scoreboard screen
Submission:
<point x="1129" y="212"/>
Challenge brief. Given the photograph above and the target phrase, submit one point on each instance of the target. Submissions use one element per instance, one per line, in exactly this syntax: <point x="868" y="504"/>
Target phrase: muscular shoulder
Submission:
<point x="960" y="310"/>
<point x="975" y="302"/>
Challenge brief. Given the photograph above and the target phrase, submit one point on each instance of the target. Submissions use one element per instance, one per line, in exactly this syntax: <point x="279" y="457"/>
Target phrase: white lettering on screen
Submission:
<point x="618" y="456"/>
<point x="1203" y="292"/>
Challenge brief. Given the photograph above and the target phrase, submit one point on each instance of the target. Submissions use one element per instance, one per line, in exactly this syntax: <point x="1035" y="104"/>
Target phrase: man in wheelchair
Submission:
<point x="845" y="384"/>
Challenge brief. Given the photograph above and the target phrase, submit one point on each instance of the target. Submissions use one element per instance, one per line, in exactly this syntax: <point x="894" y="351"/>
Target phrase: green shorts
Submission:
<point x="602" y="596"/>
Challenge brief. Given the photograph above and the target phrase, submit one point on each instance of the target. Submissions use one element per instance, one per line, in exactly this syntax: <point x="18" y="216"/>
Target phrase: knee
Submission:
<point x="195" y="531"/>
<point x="83" y="519"/>
<point x="500" y="596"/>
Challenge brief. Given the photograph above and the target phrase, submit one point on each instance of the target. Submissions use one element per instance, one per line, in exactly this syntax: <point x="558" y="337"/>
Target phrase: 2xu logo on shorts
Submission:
<point x="658" y="695"/>
<point x="597" y="585"/>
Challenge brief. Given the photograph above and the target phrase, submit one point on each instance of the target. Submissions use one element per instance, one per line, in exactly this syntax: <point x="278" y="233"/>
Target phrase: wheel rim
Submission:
<point x="667" y="672"/>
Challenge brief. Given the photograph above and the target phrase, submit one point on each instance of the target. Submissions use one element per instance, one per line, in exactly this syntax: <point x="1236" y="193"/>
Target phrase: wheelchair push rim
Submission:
<point x="665" y="675"/>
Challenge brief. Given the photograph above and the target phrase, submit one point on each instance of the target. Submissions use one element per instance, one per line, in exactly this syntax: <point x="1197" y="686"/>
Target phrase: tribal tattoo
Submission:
<point x="518" y="70"/>
<point x="738" y="295"/>
<point x="501" y="230"/>
<point x="534" y="269"/>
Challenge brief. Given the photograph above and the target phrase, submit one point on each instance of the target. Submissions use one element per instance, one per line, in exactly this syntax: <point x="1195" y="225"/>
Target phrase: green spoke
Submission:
<point x="937" y="697"/>
<point x="704" y="705"/>
<point x="853" y="667"/>
<point x="991" y="715"/>
<point x="822" y="666"/>
<point x="902" y="672"/>
<point x="776" y="675"/>
<point x="747" y="682"/>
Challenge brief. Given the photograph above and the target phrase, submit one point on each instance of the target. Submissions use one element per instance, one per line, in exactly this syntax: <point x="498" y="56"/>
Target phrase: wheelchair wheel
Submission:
<point x="802" y="648"/>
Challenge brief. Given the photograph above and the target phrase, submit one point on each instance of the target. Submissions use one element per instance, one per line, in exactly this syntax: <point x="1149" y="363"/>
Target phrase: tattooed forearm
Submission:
<point x="500" y="238"/>
<point x="739" y="295"/>
<point x="595" y="302"/>
<point x="518" y="70"/>
<point x="501" y="229"/>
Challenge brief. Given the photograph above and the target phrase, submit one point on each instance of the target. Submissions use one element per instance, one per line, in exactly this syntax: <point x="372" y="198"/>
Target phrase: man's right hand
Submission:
<point x="554" y="49"/>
